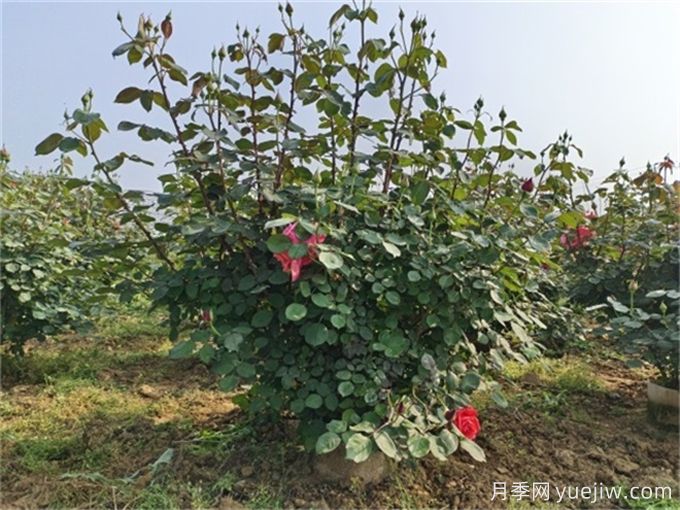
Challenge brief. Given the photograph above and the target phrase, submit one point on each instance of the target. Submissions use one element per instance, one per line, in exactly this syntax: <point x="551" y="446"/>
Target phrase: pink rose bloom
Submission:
<point x="294" y="266"/>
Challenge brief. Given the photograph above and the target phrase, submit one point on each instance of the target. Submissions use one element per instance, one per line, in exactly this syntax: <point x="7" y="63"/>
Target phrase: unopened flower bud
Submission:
<point x="663" y="307"/>
<point x="289" y="9"/>
<point x="4" y="155"/>
<point x="166" y="26"/>
<point x="633" y="286"/>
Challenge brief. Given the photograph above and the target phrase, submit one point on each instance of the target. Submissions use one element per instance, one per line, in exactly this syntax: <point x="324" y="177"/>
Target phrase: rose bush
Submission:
<point x="630" y="240"/>
<point x="364" y="273"/>
<point x="55" y="272"/>
<point x="623" y="263"/>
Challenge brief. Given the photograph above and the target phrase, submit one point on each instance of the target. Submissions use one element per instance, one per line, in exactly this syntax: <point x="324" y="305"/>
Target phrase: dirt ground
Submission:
<point x="116" y="424"/>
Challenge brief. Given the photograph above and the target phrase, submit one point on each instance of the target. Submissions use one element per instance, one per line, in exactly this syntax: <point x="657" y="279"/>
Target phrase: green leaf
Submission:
<point x="418" y="446"/>
<point x="228" y="383"/>
<point x="345" y="388"/>
<point x="337" y="426"/>
<point x="327" y="443"/>
<point x="128" y="95"/>
<point x="391" y="249"/>
<point x="473" y="449"/>
<point x="420" y="191"/>
<point x="231" y="341"/>
<point x="316" y="334"/>
<point x="298" y="251"/>
<point x="261" y="319"/>
<point x="69" y="144"/>
<point x="386" y="444"/>
<point x="330" y="260"/>
<point x="448" y="441"/>
<point x="338" y="321"/>
<point x="656" y="293"/>
<point x="395" y="345"/>
<point x="321" y="300"/>
<point x="570" y="219"/>
<point x="520" y="332"/>
<point x="359" y="447"/>
<point x="296" y="312"/>
<point x="182" y="350"/>
<point x="392" y="297"/>
<point x="314" y="401"/>
<point x="470" y="382"/>
<point x="338" y="14"/>
<point x="278" y="243"/>
<point x="275" y="42"/>
<point x="245" y="370"/>
<point x="122" y="49"/>
<point x="280" y="222"/>
<point x="146" y="99"/>
<point x="48" y="144"/>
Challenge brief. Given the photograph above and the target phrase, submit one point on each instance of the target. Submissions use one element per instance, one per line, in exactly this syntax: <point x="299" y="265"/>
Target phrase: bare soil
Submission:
<point x="78" y="438"/>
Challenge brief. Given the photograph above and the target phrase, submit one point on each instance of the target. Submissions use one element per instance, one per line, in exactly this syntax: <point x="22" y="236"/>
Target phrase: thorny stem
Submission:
<point x="357" y="96"/>
<point x="126" y="205"/>
<point x="289" y="117"/>
<point x="178" y="131"/>
<point x="489" y="186"/>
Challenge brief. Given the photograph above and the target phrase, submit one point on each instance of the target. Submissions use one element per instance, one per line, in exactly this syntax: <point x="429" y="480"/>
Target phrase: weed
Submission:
<point x="156" y="497"/>
<point x="264" y="497"/>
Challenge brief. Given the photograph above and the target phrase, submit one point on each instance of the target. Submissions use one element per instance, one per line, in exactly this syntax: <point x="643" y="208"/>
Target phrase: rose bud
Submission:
<point x="528" y="185"/>
<point x="166" y="27"/>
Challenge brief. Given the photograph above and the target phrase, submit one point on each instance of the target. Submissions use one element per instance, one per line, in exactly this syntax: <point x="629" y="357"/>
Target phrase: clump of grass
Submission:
<point x="132" y="326"/>
<point x="154" y="497"/>
<point x="565" y="374"/>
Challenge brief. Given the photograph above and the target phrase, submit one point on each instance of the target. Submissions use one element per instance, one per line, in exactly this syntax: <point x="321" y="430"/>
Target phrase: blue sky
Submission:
<point x="607" y="72"/>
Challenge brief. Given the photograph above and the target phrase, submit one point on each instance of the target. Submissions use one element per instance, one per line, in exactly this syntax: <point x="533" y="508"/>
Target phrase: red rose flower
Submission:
<point x="465" y="419"/>
<point x="528" y="186"/>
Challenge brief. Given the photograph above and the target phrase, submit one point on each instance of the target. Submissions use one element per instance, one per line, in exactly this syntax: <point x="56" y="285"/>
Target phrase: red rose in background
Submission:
<point x="466" y="420"/>
<point x="528" y="186"/>
<point x="577" y="239"/>
<point x="667" y="164"/>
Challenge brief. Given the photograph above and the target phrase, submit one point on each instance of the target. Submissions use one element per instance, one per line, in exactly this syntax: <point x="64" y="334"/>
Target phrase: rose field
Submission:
<point x="346" y="292"/>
